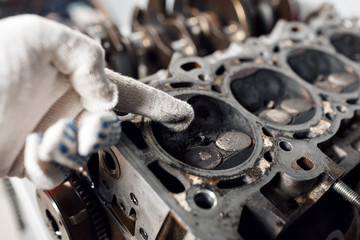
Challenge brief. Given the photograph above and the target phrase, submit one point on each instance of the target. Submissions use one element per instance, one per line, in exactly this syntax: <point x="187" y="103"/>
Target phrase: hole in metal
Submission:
<point x="352" y="101"/>
<point x="267" y="132"/>
<point x="341" y="109"/>
<point x="246" y="59"/>
<point x="220" y="70"/>
<point x="276" y="49"/>
<point x="286" y="146"/>
<point x="205" y="199"/>
<point x="292" y="204"/>
<point x="134" y="134"/>
<point x="305" y="163"/>
<point x="181" y="84"/>
<point x="216" y="88"/>
<point x="269" y="156"/>
<point x="190" y="66"/>
<point x="120" y="113"/>
<point x="303" y="135"/>
<point x="296" y="29"/>
<point x="143" y="233"/>
<point x="168" y="180"/>
<point x="109" y="161"/>
<point x="232" y="183"/>
<point x="134" y="199"/>
<point x="329" y="116"/>
<point x="201" y="77"/>
<point x="111" y="165"/>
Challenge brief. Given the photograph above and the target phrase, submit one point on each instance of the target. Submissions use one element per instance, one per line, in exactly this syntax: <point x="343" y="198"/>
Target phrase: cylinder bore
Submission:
<point x="272" y="96"/>
<point x="218" y="138"/>
<point x="323" y="70"/>
<point x="347" y="44"/>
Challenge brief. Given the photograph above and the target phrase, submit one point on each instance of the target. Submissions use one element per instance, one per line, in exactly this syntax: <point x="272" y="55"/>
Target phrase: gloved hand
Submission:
<point x="50" y="72"/>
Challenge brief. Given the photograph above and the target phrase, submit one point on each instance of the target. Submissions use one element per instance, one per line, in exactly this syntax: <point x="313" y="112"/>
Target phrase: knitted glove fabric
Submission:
<point x="52" y="72"/>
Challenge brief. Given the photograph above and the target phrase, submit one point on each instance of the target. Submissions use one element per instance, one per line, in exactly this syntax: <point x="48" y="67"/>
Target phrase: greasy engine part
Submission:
<point x="72" y="211"/>
<point x="276" y="125"/>
<point x="194" y="28"/>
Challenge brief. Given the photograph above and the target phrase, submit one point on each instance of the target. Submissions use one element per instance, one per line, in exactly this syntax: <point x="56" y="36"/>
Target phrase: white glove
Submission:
<point x="50" y="72"/>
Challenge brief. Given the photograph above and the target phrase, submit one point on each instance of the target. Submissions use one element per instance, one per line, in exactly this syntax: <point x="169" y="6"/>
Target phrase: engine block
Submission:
<point x="276" y="124"/>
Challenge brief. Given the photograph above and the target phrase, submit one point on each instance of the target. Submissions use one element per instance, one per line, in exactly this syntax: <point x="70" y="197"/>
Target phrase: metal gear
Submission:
<point x="81" y="218"/>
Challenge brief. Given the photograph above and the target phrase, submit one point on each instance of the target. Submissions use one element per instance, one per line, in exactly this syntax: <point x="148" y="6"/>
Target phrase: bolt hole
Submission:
<point x="205" y="199"/>
<point x="220" y="70"/>
<point x="143" y="233"/>
<point x="341" y="109"/>
<point x="134" y="199"/>
<point x="296" y="29"/>
<point x="244" y="59"/>
<point x="190" y="66"/>
<point x="304" y="135"/>
<point x="269" y="156"/>
<point x="329" y="116"/>
<point x="109" y="162"/>
<point x="267" y="132"/>
<point x="216" y="88"/>
<point x="181" y="85"/>
<point x="286" y="146"/>
<point x="305" y="163"/>
<point x="276" y="49"/>
<point x="352" y="101"/>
